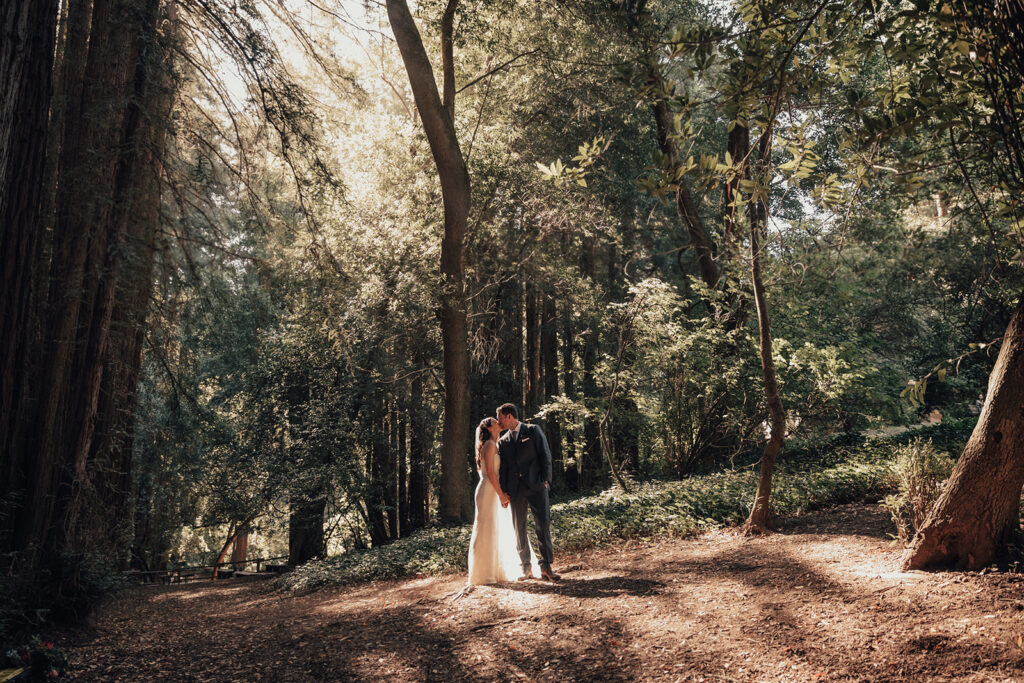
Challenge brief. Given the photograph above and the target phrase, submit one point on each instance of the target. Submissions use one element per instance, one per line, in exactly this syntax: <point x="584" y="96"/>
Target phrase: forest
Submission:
<point x="755" y="268"/>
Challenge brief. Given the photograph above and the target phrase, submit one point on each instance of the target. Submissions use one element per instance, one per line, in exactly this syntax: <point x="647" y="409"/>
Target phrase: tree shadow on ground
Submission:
<point x="604" y="587"/>
<point x="837" y="630"/>
<point x="866" y="522"/>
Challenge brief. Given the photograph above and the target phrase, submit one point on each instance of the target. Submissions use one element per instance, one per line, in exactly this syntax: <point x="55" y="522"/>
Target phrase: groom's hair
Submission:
<point x="508" y="409"/>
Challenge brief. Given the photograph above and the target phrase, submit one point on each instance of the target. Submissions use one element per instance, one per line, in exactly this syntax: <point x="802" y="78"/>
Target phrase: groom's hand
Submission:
<point x="505" y="500"/>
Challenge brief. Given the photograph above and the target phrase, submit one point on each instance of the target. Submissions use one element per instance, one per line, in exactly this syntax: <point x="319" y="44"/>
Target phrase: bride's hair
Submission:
<point x="483" y="433"/>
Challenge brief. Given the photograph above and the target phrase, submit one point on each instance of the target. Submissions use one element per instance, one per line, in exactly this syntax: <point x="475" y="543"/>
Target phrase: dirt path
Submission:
<point x="821" y="600"/>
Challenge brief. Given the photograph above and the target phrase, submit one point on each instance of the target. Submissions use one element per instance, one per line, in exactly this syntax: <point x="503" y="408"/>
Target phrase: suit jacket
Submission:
<point x="526" y="463"/>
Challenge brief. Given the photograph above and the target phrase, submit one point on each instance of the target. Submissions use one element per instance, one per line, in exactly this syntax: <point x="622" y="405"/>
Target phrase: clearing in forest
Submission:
<point x="822" y="599"/>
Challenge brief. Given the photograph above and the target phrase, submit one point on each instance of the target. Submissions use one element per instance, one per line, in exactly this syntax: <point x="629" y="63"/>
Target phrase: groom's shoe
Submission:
<point x="548" y="574"/>
<point x="527" y="575"/>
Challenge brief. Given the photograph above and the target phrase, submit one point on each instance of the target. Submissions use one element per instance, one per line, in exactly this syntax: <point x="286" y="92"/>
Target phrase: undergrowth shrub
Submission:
<point x="919" y="471"/>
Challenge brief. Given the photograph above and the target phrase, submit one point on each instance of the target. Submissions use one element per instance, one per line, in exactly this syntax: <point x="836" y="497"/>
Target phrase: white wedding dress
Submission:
<point x="492" y="548"/>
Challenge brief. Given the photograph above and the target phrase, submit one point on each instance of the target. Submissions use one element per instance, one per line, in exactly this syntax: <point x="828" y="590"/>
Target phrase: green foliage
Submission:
<point x="918" y="472"/>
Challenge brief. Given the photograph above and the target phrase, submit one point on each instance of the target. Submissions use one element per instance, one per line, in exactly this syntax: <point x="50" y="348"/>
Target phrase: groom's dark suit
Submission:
<point x="524" y="473"/>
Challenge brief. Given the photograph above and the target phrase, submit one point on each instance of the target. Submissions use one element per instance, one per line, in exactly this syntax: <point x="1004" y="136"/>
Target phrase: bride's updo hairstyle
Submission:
<point x="483" y="433"/>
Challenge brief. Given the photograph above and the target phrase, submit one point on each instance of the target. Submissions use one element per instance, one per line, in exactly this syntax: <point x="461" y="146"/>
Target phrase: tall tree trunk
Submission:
<point x="403" y="474"/>
<point x="389" y="475"/>
<point x="549" y="357"/>
<point x="376" y="498"/>
<point x="590" y="467"/>
<point x="133" y="223"/>
<point x="26" y="60"/>
<point x="438" y="118"/>
<point x="569" y="387"/>
<point x="761" y="511"/>
<point x="306" y="530"/>
<point x="240" y="549"/>
<point x="533" y="380"/>
<point x="418" y="471"/>
<point x="94" y="171"/>
<point x="510" y="329"/>
<point x="978" y="512"/>
<point x="110" y="456"/>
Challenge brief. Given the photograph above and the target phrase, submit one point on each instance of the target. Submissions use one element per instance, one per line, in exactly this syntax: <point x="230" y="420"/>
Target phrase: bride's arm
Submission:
<point x="491" y="467"/>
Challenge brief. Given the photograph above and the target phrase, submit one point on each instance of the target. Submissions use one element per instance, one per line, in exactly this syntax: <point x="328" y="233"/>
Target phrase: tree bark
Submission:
<point x="376" y="497"/>
<point x="590" y="467"/>
<point x="403" y="473"/>
<point x="454" y="502"/>
<point x="306" y="530"/>
<point x="761" y="511"/>
<point x="240" y="549"/>
<point x="549" y="358"/>
<point x="92" y="185"/>
<point x="978" y="512"/>
<point x="533" y="381"/>
<point x="26" y="61"/>
<point x="418" y="471"/>
<point x="389" y="475"/>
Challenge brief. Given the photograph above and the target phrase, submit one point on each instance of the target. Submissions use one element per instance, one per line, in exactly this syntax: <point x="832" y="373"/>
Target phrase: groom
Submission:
<point x="525" y="475"/>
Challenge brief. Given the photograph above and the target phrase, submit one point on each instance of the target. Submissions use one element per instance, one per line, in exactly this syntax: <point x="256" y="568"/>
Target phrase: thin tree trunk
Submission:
<point x="389" y="475"/>
<point x="376" y="497"/>
<point x="403" y="474"/>
<point x="591" y="458"/>
<point x="978" y="512"/>
<point x="418" y="513"/>
<point x="454" y="502"/>
<point x="549" y="356"/>
<point x="533" y="381"/>
<point x="761" y="511"/>
<point x="569" y="388"/>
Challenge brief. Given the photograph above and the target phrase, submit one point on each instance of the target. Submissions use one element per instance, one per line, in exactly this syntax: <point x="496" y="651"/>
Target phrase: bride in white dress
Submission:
<point x="492" y="548"/>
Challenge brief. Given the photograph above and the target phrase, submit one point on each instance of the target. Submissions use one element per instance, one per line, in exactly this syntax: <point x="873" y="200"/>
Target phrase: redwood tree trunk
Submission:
<point x="240" y="549"/>
<point x="94" y="173"/>
<point x="26" y="61"/>
<point x="454" y="502"/>
<point x="978" y="512"/>
<point x="549" y="357"/>
<point x="306" y="530"/>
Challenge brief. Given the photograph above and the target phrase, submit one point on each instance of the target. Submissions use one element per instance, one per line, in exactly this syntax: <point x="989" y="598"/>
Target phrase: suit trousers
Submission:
<point x="537" y="501"/>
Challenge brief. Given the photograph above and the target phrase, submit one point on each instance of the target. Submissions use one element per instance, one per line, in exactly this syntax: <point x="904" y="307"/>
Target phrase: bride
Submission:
<point x="492" y="548"/>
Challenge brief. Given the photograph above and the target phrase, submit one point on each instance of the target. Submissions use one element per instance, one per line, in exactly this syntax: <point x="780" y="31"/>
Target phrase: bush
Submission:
<point x="918" y="473"/>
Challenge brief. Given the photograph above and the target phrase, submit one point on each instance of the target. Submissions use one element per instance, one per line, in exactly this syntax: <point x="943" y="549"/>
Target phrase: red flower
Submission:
<point x="47" y="645"/>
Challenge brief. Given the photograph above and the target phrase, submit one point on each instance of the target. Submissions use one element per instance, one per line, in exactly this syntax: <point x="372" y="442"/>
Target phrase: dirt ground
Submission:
<point x="821" y="600"/>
